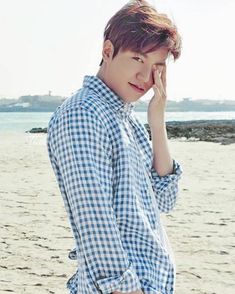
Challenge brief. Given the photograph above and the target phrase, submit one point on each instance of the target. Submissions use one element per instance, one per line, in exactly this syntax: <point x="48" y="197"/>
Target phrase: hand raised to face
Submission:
<point x="159" y="81"/>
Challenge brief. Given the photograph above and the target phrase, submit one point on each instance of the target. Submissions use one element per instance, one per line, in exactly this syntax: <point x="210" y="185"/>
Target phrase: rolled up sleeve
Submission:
<point x="166" y="188"/>
<point x="84" y="156"/>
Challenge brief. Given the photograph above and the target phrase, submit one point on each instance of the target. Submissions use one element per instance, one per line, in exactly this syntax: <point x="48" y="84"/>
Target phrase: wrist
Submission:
<point x="157" y="125"/>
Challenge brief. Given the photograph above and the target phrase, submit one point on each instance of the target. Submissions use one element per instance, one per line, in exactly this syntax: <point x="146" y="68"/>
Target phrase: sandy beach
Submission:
<point x="36" y="237"/>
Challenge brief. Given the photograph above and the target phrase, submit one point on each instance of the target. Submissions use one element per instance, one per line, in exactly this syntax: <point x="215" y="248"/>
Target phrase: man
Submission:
<point x="113" y="180"/>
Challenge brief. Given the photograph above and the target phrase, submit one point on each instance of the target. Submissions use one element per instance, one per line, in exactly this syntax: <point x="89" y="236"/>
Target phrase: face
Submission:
<point x="130" y="74"/>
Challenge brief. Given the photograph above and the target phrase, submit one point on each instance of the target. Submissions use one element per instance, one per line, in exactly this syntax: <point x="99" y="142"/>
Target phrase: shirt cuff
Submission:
<point x="127" y="282"/>
<point x="177" y="171"/>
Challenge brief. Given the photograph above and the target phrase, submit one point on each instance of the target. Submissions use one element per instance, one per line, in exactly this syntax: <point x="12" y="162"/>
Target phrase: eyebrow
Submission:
<point x="145" y="56"/>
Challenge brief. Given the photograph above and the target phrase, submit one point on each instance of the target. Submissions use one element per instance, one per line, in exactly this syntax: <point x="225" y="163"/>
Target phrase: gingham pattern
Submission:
<point x="98" y="150"/>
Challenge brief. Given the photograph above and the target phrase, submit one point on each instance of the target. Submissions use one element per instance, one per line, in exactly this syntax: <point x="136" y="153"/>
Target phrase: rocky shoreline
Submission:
<point x="218" y="131"/>
<point x="37" y="130"/>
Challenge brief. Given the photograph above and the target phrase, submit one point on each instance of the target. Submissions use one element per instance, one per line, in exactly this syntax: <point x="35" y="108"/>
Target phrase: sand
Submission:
<point x="36" y="237"/>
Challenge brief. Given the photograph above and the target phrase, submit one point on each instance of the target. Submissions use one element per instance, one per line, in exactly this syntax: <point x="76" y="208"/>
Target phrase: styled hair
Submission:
<point x="138" y="27"/>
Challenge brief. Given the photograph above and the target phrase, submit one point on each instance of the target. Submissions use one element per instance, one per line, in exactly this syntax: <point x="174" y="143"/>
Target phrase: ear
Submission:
<point x="108" y="50"/>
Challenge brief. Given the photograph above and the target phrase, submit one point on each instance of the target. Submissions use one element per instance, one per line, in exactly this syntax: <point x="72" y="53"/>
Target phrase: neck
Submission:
<point x="100" y="74"/>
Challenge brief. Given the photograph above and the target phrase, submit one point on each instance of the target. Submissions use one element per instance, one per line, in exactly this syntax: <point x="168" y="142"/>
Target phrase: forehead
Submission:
<point x="161" y="53"/>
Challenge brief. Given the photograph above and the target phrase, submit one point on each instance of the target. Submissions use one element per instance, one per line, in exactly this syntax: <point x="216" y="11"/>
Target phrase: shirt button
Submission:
<point x="168" y="287"/>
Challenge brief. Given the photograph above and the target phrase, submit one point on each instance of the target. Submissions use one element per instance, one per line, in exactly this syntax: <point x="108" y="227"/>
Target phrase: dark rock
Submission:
<point x="219" y="131"/>
<point x="37" y="130"/>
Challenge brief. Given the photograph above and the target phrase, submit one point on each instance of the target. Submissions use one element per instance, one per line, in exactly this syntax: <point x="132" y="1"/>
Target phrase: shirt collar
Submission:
<point x="103" y="91"/>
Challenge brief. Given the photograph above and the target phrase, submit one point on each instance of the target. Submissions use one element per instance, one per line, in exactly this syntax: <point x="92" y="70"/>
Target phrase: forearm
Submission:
<point x="162" y="161"/>
<point x="135" y="292"/>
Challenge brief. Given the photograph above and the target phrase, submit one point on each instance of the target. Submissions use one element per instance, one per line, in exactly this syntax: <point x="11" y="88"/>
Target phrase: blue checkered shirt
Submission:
<point x="102" y="158"/>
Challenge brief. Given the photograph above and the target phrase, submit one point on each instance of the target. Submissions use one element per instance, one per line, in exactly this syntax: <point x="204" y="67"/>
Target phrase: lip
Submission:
<point x="136" y="88"/>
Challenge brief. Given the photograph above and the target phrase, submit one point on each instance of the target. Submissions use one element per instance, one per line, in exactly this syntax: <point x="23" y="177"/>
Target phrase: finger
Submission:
<point x="157" y="86"/>
<point x="156" y="75"/>
<point x="163" y="77"/>
<point x="157" y="91"/>
<point x="160" y="85"/>
<point x="159" y="80"/>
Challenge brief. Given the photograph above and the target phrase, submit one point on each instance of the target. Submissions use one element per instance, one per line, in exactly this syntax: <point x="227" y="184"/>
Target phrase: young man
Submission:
<point x="114" y="181"/>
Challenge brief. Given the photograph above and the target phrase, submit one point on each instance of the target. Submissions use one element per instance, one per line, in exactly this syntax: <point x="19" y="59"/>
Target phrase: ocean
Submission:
<point x="24" y="121"/>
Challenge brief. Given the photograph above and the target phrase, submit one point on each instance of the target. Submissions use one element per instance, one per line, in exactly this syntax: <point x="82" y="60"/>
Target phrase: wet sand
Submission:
<point x="36" y="237"/>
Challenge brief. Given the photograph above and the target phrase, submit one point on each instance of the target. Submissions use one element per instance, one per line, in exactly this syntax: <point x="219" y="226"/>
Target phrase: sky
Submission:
<point x="49" y="45"/>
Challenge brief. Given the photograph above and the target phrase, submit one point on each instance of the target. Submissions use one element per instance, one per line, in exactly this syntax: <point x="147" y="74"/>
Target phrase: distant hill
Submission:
<point x="37" y="103"/>
<point x="188" y="104"/>
<point x="48" y="103"/>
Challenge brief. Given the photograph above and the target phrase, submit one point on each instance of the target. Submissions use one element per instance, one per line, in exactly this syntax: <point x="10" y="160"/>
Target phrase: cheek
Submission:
<point x="149" y="86"/>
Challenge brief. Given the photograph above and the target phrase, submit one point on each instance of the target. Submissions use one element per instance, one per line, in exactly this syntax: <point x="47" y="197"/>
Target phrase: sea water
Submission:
<point x="25" y="121"/>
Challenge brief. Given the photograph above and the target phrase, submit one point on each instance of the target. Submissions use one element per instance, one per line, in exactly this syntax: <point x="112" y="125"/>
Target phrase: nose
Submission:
<point x="145" y="74"/>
